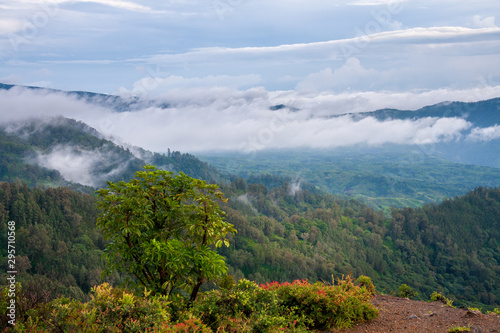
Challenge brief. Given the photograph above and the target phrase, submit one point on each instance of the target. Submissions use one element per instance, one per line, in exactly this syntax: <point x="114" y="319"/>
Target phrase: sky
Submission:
<point x="220" y="64"/>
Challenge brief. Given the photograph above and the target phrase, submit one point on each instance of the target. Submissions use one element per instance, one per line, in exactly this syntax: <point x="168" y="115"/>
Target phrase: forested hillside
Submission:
<point x="66" y="152"/>
<point x="284" y="233"/>
<point x="459" y="242"/>
<point x="57" y="244"/>
<point x="452" y="247"/>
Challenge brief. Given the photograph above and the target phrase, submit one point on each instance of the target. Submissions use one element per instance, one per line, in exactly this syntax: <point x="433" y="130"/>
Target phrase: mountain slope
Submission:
<point x="479" y="145"/>
<point x="481" y="114"/>
<point x="61" y="151"/>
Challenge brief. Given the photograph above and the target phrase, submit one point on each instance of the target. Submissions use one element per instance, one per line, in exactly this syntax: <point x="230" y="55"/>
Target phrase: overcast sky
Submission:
<point x="223" y="62"/>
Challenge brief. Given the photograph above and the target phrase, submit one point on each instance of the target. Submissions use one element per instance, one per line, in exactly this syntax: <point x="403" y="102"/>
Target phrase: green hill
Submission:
<point x="66" y="152"/>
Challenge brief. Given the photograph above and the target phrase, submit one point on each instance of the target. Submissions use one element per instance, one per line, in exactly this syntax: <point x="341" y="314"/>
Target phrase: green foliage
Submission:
<point x="226" y="282"/>
<point x="340" y="305"/>
<point x="109" y="310"/>
<point x="297" y="306"/>
<point x="58" y="249"/>
<point x="282" y="236"/>
<point x="366" y="281"/>
<point x="458" y="329"/>
<point x="406" y="291"/>
<point x="162" y="229"/>
<point x="435" y="296"/>
<point x="247" y="307"/>
<point x="455" y="244"/>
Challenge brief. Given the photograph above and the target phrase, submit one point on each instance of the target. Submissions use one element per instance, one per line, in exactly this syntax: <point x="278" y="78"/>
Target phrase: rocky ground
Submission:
<point x="403" y="315"/>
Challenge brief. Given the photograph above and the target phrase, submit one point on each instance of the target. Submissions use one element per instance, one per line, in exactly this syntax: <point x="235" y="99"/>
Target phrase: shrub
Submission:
<point x="365" y="281"/>
<point x="191" y="325"/>
<point x="340" y="305"/>
<point x="459" y="329"/>
<point x="109" y="310"/>
<point x="294" y="307"/>
<point x="435" y="296"/>
<point x="406" y="292"/>
<point x="246" y="307"/>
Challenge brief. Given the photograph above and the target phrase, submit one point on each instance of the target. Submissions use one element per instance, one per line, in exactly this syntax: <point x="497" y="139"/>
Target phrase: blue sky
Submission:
<point x="223" y="62"/>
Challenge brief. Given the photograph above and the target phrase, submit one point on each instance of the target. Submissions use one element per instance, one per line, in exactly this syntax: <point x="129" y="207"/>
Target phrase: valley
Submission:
<point x="400" y="214"/>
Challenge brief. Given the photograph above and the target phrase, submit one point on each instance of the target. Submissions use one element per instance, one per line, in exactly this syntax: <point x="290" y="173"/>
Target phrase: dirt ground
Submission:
<point x="402" y="315"/>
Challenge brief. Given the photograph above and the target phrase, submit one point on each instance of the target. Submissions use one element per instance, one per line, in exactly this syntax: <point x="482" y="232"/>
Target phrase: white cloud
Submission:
<point x="155" y="85"/>
<point x="485" y="134"/>
<point x="10" y="26"/>
<point x="73" y="166"/>
<point x="336" y="48"/>
<point x="351" y="74"/>
<point x="487" y="22"/>
<point x="80" y="165"/>
<point x="21" y="104"/>
<point x="128" y="5"/>
<point x="223" y="118"/>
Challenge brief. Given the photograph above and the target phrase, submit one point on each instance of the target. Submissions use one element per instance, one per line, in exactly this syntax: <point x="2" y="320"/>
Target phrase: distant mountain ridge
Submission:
<point x="481" y="113"/>
<point x="114" y="102"/>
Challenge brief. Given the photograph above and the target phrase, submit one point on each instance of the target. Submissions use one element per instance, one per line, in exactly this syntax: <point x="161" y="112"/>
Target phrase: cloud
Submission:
<point x="10" y="26"/>
<point x="222" y="118"/>
<point x="20" y="104"/>
<point x="336" y="48"/>
<point x="484" y="134"/>
<point x="487" y="22"/>
<point x="80" y="165"/>
<point x="127" y="5"/>
<point x="415" y="58"/>
<point x="351" y="74"/>
<point x="154" y="84"/>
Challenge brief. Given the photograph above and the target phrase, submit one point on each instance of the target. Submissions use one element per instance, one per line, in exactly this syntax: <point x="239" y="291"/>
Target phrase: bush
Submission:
<point x="295" y="307"/>
<point x="109" y="310"/>
<point x="339" y="306"/>
<point x="435" y="296"/>
<point x="406" y="291"/>
<point x="365" y="281"/>
<point x="246" y="307"/>
<point x="459" y="329"/>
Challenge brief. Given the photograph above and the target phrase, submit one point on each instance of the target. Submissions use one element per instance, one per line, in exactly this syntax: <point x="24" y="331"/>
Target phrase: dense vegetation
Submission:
<point x="244" y="307"/>
<point x="309" y="235"/>
<point x="57" y="244"/>
<point x="458" y="242"/>
<point x="284" y="234"/>
<point x="381" y="177"/>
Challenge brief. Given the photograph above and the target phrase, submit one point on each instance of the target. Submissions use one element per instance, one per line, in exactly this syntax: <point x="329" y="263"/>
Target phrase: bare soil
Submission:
<point x="402" y="315"/>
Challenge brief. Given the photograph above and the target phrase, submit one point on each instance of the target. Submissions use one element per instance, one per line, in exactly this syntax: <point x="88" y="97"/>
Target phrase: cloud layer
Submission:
<point x="204" y="119"/>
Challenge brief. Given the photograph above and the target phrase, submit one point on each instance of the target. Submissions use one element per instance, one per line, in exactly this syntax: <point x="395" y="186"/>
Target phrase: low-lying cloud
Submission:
<point x="204" y="119"/>
<point x="485" y="134"/>
<point x="80" y="165"/>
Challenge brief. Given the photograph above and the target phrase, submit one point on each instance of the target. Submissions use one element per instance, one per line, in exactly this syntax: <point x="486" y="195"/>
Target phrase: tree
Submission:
<point x="163" y="229"/>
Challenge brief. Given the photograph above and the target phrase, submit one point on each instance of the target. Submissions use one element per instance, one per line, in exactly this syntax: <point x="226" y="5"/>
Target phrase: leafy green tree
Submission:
<point x="163" y="229"/>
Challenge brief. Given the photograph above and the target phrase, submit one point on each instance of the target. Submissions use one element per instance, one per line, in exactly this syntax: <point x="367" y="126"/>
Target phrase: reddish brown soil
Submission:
<point x="402" y="315"/>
